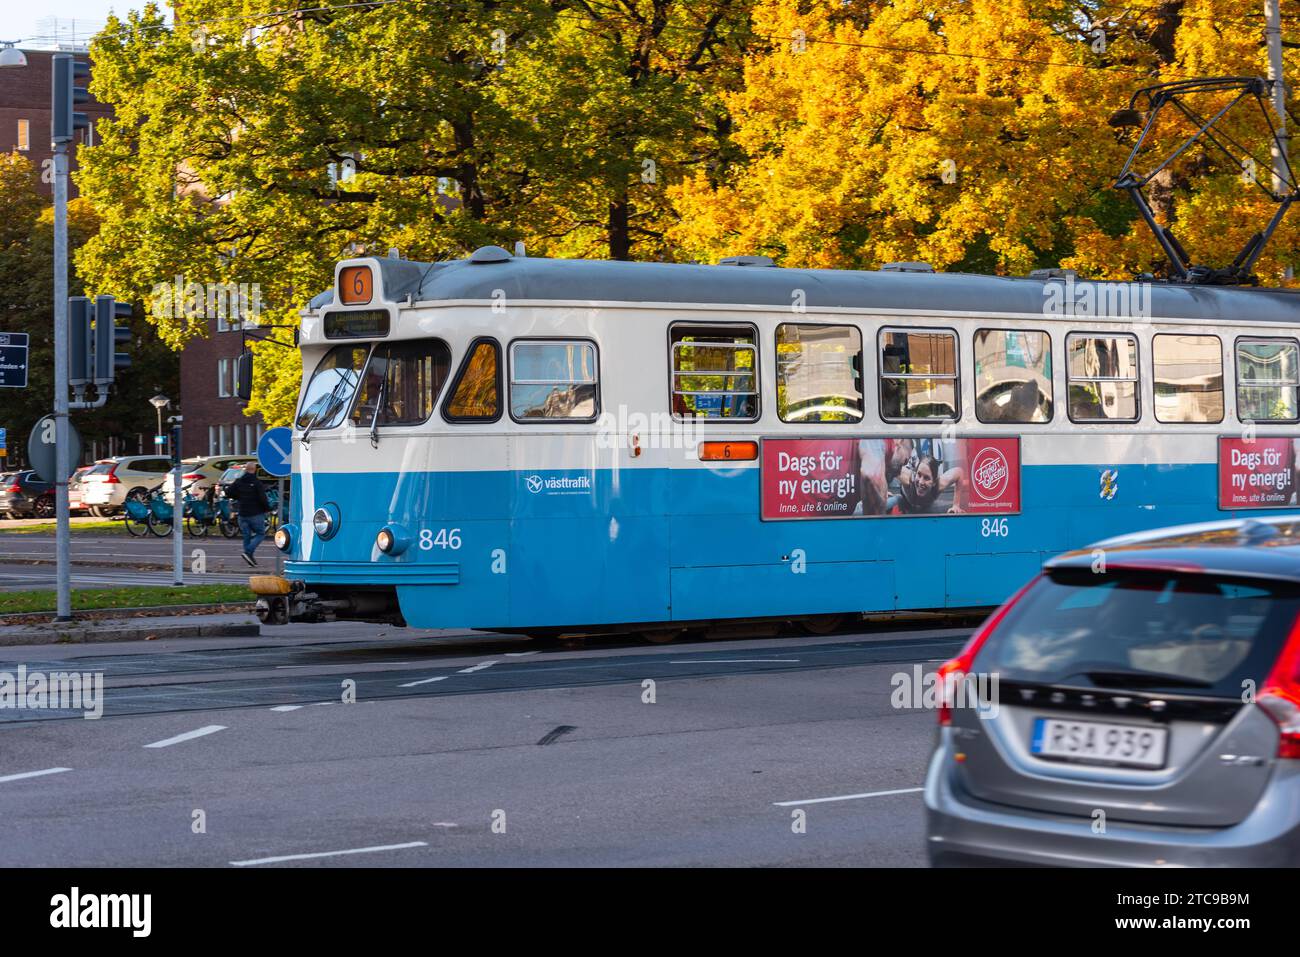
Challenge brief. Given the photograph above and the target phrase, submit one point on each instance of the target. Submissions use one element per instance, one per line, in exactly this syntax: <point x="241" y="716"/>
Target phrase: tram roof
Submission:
<point x="584" y="280"/>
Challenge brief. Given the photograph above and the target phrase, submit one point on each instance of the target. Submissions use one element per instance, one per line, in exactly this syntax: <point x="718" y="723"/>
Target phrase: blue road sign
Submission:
<point x="275" y="451"/>
<point x="13" y="360"/>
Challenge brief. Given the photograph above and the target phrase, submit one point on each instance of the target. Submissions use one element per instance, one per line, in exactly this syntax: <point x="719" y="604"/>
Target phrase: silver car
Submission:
<point x="1140" y="707"/>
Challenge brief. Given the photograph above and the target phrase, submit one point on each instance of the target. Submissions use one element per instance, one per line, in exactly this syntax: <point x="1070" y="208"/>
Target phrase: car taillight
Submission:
<point x="112" y="478"/>
<point x="951" y="672"/>
<point x="192" y="477"/>
<point x="1280" y="695"/>
<point x="14" y="490"/>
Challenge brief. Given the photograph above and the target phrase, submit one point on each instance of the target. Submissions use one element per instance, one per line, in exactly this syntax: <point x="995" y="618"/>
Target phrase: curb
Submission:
<point x="88" y="633"/>
<point x="91" y="615"/>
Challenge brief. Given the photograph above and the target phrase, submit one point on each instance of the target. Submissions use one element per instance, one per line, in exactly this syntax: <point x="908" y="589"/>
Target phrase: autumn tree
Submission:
<point x="972" y="135"/>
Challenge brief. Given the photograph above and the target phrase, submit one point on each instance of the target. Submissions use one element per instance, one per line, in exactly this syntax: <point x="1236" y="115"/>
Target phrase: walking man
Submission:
<point x="249" y="496"/>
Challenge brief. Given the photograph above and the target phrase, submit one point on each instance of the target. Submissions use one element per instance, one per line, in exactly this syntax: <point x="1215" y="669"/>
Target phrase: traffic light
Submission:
<point x="67" y="96"/>
<point x="81" y="368"/>
<point x="108" y="336"/>
<point x="244" y="375"/>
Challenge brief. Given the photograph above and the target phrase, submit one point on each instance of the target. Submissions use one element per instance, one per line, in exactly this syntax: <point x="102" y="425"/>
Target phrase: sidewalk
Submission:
<point x="240" y="624"/>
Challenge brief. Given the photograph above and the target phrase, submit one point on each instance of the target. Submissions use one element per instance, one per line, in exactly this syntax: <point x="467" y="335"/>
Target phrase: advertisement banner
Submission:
<point x="1257" y="473"/>
<point x="878" y="477"/>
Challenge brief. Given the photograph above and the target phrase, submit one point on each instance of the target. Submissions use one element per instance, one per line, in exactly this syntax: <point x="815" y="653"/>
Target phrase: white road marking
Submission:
<point x="444" y="824"/>
<point x="286" y="707"/>
<point x="520" y="654"/>
<point x="188" y="736"/>
<point x="478" y="667"/>
<point x="305" y="857"/>
<point x="425" y="681"/>
<point x="737" y="661"/>
<point x="32" y="774"/>
<point x="848" y="797"/>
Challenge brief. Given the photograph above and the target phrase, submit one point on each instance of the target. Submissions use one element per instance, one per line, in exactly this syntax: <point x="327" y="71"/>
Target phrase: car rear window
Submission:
<point x="1144" y="630"/>
<point x="102" y="468"/>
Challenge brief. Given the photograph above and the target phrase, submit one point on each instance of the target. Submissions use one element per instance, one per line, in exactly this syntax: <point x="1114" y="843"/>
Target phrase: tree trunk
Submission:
<point x="620" y="240"/>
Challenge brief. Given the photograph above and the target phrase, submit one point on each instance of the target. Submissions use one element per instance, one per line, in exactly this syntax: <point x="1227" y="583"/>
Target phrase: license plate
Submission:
<point x="1125" y="745"/>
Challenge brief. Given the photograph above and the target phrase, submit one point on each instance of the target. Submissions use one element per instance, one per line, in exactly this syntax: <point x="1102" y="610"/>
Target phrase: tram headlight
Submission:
<point x="284" y="538"/>
<point x="325" y="521"/>
<point x="392" y="540"/>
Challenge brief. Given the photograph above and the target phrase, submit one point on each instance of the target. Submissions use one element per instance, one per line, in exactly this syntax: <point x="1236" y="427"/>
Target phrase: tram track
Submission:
<point x="254" y="677"/>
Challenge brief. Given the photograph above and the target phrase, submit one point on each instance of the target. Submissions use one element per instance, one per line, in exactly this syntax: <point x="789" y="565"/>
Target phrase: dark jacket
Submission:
<point x="249" y="496"/>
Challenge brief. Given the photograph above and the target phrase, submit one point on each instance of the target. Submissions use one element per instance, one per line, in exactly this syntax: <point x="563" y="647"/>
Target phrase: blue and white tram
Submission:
<point x="528" y="444"/>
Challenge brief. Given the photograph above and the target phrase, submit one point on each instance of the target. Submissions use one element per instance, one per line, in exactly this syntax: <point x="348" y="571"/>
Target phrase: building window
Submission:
<point x="1102" y="377"/>
<point x="24" y="135"/>
<point x="918" y="374"/>
<point x="553" y="379"/>
<point x="224" y="369"/>
<point x="1189" y="378"/>
<point x="1268" y="380"/>
<point x="213" y="447"/>
<point x="714" y="372"/>
<point x="1013" y="376"/>
<point x="818" y="373"/>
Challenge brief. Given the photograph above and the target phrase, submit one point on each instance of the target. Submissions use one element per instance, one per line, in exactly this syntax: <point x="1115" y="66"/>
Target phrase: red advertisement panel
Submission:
<point x="876" y="477"/>
<point x="1257" y="473"/>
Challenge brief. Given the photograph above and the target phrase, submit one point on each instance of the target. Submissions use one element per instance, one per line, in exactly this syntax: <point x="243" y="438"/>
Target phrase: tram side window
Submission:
<point x="918" y="374"/>
<point x="818" y="373"/>
<point x="553" y="380"/>
<point x="404" y="379"/>
<point x="1102" y="375"/>
<point x="1013" y="376"/>
<point x="1189" y="378"/>
<point x="1268" y="380"/>
<point x="476" y="395"/>
<point x="331" y="387"/>
<point x="714" y="372"/>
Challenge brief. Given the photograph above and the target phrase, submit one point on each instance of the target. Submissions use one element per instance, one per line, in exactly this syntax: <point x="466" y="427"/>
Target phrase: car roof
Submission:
<point x="1266" y="547"/>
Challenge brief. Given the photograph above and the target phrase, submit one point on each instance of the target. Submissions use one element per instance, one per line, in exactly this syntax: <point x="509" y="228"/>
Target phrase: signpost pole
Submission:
<point x="279" y="508"/>
<point x="62" y="528"/>
<point x="178" y="510"/>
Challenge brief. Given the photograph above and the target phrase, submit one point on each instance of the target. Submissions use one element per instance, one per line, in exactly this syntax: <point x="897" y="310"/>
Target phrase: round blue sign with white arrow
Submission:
<point x="275" y="451"/>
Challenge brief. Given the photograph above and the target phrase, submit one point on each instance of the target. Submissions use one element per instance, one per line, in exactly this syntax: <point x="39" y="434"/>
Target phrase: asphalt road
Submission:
<point x="471" y="750"/>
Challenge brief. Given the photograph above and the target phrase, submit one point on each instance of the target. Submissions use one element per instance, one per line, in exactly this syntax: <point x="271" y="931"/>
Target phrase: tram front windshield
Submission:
<point x="332" y="386"/>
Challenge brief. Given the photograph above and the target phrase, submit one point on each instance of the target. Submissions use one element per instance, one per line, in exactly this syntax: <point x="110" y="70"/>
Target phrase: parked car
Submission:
<point x="1147" y="709"/>
<point x="107" y="484"/>
<point x="75" y="503"/>
<point x="24" y="495"/>
<point x="204" y="472"/>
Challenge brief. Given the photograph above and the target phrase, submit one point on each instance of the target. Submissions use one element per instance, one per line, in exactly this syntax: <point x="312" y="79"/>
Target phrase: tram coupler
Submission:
<point x="280" y="601"/>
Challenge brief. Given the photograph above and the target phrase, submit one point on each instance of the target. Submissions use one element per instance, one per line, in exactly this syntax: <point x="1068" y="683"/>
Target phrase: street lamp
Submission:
<point x="159" y="402"/>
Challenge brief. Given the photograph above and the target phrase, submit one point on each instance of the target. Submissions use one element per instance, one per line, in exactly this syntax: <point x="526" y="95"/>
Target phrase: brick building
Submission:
<point x="25" y="99"/>
<point x="215" y="423"/>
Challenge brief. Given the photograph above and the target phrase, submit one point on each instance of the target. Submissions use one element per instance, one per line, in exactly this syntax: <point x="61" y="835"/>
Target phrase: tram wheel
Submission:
<point x="821" y="624"/>
<point x="662" y="636"/>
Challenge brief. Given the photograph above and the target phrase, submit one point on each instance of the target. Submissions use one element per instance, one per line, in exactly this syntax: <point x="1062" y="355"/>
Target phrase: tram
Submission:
<point x="536" y="445"/>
